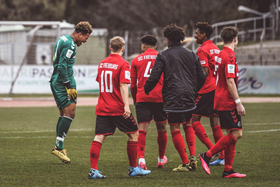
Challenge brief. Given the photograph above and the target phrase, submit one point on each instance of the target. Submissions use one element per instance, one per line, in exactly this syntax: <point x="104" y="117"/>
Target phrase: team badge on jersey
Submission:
<point x="127" y="75"/>
<point x="69" y="53"/>
<point x="231" y="68"/>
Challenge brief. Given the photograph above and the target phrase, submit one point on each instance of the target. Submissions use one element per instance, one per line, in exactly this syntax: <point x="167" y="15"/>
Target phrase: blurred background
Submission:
<point x="29" y="30"/>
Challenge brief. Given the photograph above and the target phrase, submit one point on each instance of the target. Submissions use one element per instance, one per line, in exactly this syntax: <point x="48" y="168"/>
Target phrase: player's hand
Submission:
<point x="127" y="112"/>
<point x="72" y="93"/>
<point x="240" y="109"/>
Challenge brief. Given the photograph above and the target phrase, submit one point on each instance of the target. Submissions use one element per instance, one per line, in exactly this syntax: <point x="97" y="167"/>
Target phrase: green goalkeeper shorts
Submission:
<point x="60" y="95"/>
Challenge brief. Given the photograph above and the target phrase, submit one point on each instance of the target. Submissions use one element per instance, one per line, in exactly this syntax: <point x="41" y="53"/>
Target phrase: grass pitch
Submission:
<point x="28" y="134"/>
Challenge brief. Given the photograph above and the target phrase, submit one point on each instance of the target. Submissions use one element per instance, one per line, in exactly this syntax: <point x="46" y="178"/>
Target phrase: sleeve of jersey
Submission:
<point x="125" y="73"/>
<point x="64" y="57"/>
<point x="203" y="58"/>
<point x="133" y="72"/>
<point x="229" y="66"/>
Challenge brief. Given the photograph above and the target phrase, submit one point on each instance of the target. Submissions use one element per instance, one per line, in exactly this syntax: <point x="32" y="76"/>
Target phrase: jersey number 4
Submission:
<point x="148" y="69"/>
<point x="106" y="84"/>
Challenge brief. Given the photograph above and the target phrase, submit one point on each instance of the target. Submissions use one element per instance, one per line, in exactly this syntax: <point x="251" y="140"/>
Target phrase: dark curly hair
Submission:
<point x="204" y="27"/>
<point x="174" y="33"/>
<point x="228" y="34"/>
<point x="149" y="40"/>
<point x="84" y="27"/>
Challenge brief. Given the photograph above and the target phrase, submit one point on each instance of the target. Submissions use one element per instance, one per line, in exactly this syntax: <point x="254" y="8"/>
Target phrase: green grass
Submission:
<point x="28" y="134"/>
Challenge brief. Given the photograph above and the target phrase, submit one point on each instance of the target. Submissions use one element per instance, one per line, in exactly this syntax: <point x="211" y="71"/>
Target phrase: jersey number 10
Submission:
<point x="108" y="82"/>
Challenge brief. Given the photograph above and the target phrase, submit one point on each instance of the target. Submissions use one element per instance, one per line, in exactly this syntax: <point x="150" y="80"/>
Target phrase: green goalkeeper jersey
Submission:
<point x="64" y="59"/>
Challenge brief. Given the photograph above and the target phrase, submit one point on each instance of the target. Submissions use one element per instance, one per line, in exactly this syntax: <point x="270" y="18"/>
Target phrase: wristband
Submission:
<point x="237" y="101"/>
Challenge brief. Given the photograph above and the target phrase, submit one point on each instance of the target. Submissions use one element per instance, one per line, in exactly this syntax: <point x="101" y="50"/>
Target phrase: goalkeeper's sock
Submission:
<point x="57" y="125"/>
<point x="62" y="131"/>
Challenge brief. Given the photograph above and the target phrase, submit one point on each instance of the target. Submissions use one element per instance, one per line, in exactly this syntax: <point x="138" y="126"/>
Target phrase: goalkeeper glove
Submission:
<point x="72" y="93"/>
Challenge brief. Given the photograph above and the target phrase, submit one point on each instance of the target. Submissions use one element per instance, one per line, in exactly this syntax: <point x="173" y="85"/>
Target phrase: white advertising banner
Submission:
<point x="35" y="79"/>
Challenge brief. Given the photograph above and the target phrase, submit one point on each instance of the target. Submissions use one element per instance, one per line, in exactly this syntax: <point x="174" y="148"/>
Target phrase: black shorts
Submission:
<point x="205" y="104"/>
<point x="147" y="111"/>
<point x="230" y="120"/>
<point x="179" y="117"/>
<point x="106" y="125"/>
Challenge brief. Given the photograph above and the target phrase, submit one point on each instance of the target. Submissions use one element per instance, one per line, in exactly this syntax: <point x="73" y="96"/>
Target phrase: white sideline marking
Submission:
<point x="151" y="126"/>
<point x="122" y="136"/>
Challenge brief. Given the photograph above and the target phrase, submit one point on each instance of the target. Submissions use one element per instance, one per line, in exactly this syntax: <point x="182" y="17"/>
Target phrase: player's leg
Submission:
<point x="104" y="127"/>
<point x="144" y="116"/>
<point x="129" y="127"/>
<point x="67" y="110"/>
<point x="174" y="120"/>
<point x="160" y="118"/>
<point x="229" y="157"/>
<point x="190" y="138"/>
<point x="217" y="134"/>
<point x="200" y="131"/>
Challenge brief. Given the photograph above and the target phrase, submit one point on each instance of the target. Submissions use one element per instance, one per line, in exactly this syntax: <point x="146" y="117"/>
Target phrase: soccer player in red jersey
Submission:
<point x="148" y="106"/>
<point x="228" y="104"/>
<point x="207" y="53"/>
<point x="113" y="110"/>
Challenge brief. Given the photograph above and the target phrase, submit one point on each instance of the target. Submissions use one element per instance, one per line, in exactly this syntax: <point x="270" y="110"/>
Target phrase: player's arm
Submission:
<point x="155" y="74"/>
<point x="64" y="58"/>
<point x="206" y="70"/>
<point x="124" y="94"/>
<point x="234" y="93"/>
<point x="201" y="76"/>
<point x="133" y="79"/>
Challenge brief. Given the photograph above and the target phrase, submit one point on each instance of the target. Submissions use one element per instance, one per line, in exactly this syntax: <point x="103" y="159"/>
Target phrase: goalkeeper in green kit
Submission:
<point x="63" y="84"/>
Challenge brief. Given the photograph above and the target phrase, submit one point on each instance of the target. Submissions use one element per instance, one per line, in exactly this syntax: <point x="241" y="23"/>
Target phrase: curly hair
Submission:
<point x="205" y="28"/>
<point x="84" y="27"/>
<point x="117" y="43"/>
<point x="174" y="33"/>
<point x="228" y="34"/>
<point x="149" y="40"/>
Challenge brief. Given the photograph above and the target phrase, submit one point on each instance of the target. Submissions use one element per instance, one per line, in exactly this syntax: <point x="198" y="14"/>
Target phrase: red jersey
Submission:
<point x="226" y="68"/>
<point x="208" y="53"/>
<point x="141" y="67"/>
<point x="112" y="71"/>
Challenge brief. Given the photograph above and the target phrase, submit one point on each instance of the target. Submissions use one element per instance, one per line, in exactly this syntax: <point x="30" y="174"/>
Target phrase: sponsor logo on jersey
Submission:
<point x="127" y="75"/>
<point x="202" y="62"/>
<point x="231" y="68"/>
<point x="69" y="53"/>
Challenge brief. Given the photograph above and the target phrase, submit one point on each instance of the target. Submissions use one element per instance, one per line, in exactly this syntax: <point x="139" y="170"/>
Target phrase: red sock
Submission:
<point x="190" y="138"/>
<point x="141" y="143"/>
<point x="201" y="134"/>
<point x="132" y="153"/>
<point x="217" y="134"/>
<point x="94" y="154"/>
<point x="222" y="144"/>
<point x="162" y="142"/>
<point x="180" y="146"/>
<point x="229" y="156"/>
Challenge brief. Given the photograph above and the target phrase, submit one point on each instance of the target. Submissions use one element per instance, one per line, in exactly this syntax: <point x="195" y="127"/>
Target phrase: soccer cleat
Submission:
<point x="233" y="174"/>
<point x="218" y="162"/>
<point x="95" y="174"/>
<point x="137" y="171"/>
<point x="183" y="167"/>
<point x="142" y="165"/>
<point x="161" y="164"/>
<point x="193" y="162"/>
<point x="61" y="154"/>
<point x="205" y="160"/>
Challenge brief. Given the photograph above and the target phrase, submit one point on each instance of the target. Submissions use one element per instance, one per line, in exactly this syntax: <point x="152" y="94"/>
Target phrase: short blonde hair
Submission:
<point x="117" y="43"/>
